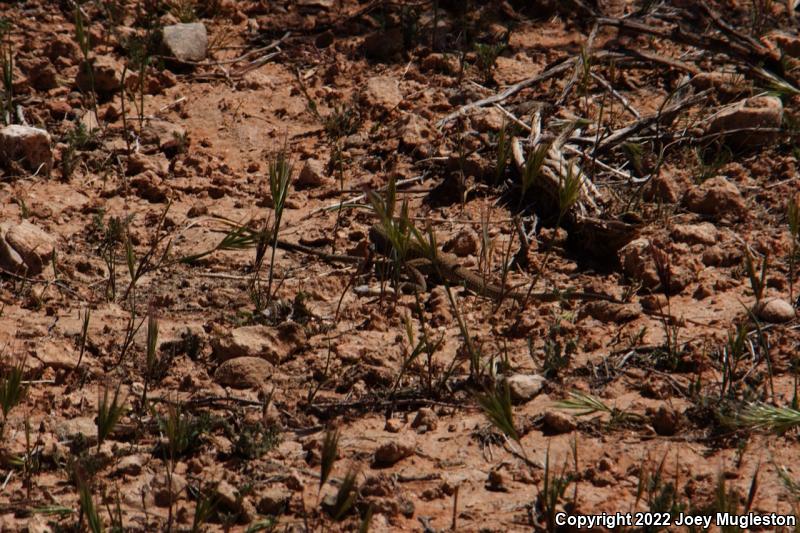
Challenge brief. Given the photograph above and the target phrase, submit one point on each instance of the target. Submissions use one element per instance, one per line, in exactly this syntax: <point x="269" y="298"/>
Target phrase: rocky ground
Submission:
<point x="199" y="331"/>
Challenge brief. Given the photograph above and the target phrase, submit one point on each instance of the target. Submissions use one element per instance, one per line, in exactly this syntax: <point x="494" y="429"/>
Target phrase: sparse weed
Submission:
<point x="345" y="497"/>
<point x="12" y="390"/>
<point x="183" y="431"/>
<point x="660" y="496"/>
<point x="550" y="496"/>
<point x="777" y="419"/>
<point x="88" y="509"/>
<point x="793" y="218"/>
<point x="7" y="71"/>
<point x="496" y="406"/>
<point x="330" y="450"/>
<point x="108" y="414"/>
<point x="487" y="55"/>
<point x="586" y="404"/>
<point x="756" y="276"/>
<point x="533" y="168"/>
<point x="150" y="354"/>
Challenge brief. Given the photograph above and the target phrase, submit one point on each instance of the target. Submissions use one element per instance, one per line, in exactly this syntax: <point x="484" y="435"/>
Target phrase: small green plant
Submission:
<point x="184" y="10"/>
<point x="280" y="173"/>
<point x="342" y="121"/>
<point x="87" y="314"/>
<point x="487" y="55"/>
<point x="183" y="431"/>
<point x="330" y="449"/>
<point x="777" y="419"/>
<point x="254" y="439"/>
<point x="12" y="390"/>
<point x="733" y="353"/>
<point x="503" y="153"/>
<point x="345" y="497"/>
<point x="496" y="406"/>
<point x="7" y="71"/>
<point x="207" y="503"/>
<point x="793" y="216"/>
<point x="93" y="521"/>
<point x="585" y="404"/>
<point x="757" y="276"/>
<point x="85" y="45"/>
<point x="660" y="496"/>
<point x="108" y="414"/>
<point x="554" y="487"/>
<point x="533" y="169"/>
<point x="151" y="358"/>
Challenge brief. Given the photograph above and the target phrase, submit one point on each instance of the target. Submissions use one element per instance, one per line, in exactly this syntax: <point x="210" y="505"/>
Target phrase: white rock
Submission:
<point x="186" y="42"/>
<point x="524" y="387"/>
<point x="775" y="310"/>
<point x="27" y="145"/>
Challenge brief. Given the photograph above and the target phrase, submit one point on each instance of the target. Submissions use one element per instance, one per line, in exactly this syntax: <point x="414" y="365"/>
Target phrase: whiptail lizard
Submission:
<point x="448" y="267"/>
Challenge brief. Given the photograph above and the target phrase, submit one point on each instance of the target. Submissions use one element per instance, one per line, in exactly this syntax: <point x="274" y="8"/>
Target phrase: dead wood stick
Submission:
<point x="666" y="113"/>
<point x="607" y="86"/>
<point x="733" y="49"/>
<point x="508" y="91"/>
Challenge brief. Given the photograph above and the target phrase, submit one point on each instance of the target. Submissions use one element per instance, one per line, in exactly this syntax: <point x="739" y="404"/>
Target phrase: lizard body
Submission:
<point x="449" y="268"/>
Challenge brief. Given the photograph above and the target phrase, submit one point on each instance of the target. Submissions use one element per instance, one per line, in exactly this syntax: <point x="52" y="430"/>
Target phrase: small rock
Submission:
<point x="382" y="45"/>
<point x="77" y="428"/>
<point x="10" y="259"/>
<point x="653" y="302"/>
<point x="775" y="310"/>
<point x="27" y="145"/>
<point x="495" y="481"/>
<point x="32" y="244"/>
<point x="169" y="137"/>
<point x="390" y="453"/>
<point x="393" y="425"/>
<point x="161" y="484"/>
<point x="637" y="262"/>
<point x="383" y="92"/>
<point x="716" y="197"/>
<point x="525" y="387"/>
<point x="663" y="188"/>
<point x="463" y="244"/>
<point x="312" y="175"/>
<point x="42" y="75"/>
<point x="755" y="112"/>
<point x="274" y="501"/>
<point x="704" y="233"/>
<point x="228" y="496"/>
<point x="324" y="39"/>
<point x="416" y="132"/>
<point x="149" y="186"/>
<point x="444" y="63"/>
<point x="426" y="420"/>
<point x="488" y="120"/>
<point x="130" y="465"/>
<point x="186" y="42"/>
<point x="105" y="73"/>
<point x="557" y="422"/>
<point x="617" y="313"/>
<point x="272" y="344"/>
<point x="702" y="292"/>
<point x="244" y="372"/>
<point x="665" y="421"/>
<point x="58" y="355"/>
